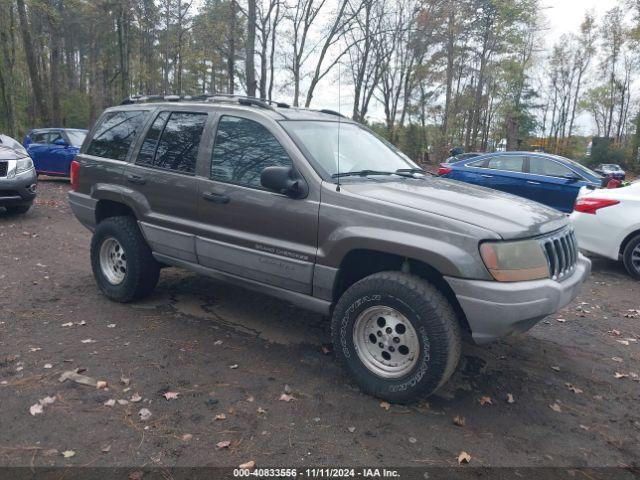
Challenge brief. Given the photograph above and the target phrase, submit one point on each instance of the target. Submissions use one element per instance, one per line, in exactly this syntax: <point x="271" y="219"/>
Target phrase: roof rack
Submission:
<point x="206" y="97"/>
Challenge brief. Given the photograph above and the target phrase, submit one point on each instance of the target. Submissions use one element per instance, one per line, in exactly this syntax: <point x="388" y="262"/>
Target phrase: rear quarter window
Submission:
<point x="115" y="134"/>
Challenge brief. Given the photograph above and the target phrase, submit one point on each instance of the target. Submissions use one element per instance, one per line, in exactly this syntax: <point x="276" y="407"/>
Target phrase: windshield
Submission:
<point x="581" y="167"/>
<point x="76" y="137"/>
<point x="358" y="149"/>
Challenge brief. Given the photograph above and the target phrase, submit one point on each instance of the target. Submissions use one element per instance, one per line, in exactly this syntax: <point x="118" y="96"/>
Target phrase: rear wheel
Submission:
<point x="122" y="263"/>
<point x="397" y="335"/>
<point x="631" y="257"/>
<point x="18" y="209"/>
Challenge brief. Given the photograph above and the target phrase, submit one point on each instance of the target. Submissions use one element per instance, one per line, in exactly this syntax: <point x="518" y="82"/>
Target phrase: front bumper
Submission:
<point x="19" y="190"/>
<point x="496" y="309"/>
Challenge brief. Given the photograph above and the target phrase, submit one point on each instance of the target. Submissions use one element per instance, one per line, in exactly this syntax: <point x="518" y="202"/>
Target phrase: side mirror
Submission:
<point x="285" y="180"/>
<point x="61" y="142"/>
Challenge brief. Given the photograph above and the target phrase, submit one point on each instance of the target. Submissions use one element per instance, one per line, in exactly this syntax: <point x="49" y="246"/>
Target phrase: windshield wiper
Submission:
<point x="361" y="173"/>
<point x="411" y="171"/>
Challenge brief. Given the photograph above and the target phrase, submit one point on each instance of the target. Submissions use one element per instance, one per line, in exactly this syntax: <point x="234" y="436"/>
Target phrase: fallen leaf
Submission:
<point x="111" y="325"/>
<point x="250" y="465"/>
<point x="125" y="381"/>
<point x="555" y="407"/>
<point x="68" y="324"/>
<point x="287" y="389"/>
<point x="47" y="400"/>
<point x="351" y="429"/>
<point x="555" y="367"/>
<point x="251" y="398"/>
<point x="234" y="366"/>
<point x="35" y="409"/>
<point x="561" y="320"/>
<point x="35" y="349"/>
<point x="464" y="457"/>
<point x="459" y="421"/>
<point x="617" y="359"/>
<point x="217" y="342"/>
<point x="81" y="323"/>
<point x="88" y="340"/>
<point x="171" y="395"/>
<point x="575" y="390"/>
<point x="223" y="444"/>
<point x="100" y="384"/>
<point x="109" y="403"/>
<point x="285" y="397"/>
<point x="186" y="437"/>
<point x="620" y="375"/>
<point x="122" y="401"/>
<point x="135" y="398"/>
<point x="68" y="453"/>
<point x="48" y="365"/>
<point x="510" y="398"/>
<point x="385" y="405"/>
<point x="144" y="414"/>
<point x="413" y="439"/>
<point x="623" y="342"/>
<point x="105" y="448"/>
<point x="485" y="401"/>
<point x="261" y="411"/>
<point x="220" y="416"/>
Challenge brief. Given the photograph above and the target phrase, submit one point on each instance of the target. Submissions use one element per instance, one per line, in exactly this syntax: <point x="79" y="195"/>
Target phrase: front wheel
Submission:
<point x="631" y="257"/>
<point x="397" y="335"/>
<point x="122" y="263"/>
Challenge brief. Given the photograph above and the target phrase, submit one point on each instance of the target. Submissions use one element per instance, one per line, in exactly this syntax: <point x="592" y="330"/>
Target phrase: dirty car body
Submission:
<point x="293" y="203"/>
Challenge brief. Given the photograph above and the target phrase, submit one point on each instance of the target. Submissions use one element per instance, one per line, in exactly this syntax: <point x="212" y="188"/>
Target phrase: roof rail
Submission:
<point x="206" y="97"/>
<point x="331" y="112"/>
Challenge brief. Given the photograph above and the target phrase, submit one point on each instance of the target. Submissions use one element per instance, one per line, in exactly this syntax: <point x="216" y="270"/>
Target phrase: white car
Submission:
<point x="607" y="223"/>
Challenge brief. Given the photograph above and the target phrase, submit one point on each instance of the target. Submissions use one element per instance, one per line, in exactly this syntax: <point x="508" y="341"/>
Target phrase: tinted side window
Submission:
<point x="544" y="166"/>
<point x="53" y="136"/>
<point x="478" y="163"/>
<point x="148" y="149"/>
<point x="39" y="138"/>
<point x="177" y="148"/>
<point x="243" y="149"/>
<point x="116" y="133"/>
<point x="508" y="163"/>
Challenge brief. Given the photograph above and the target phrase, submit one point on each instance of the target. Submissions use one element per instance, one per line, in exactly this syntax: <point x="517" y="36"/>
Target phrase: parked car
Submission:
<point x="317" y="210"/>
<point x="52" y="149"/>
<point x="611" y="170"/>
<point x="17" y="177"/>
<point x="462" y="156"/>
<point x="549" y="179"/>
<point x="607" y="223"/>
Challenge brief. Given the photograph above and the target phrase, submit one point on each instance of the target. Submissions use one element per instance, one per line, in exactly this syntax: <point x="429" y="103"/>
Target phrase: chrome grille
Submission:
<point x="4" y="166"/>
<point x="561" y="250"/>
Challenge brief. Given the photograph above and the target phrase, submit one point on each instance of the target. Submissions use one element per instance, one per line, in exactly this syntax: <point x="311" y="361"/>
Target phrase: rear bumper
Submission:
<point x="84" y="208"/>
<point x="19" y="190"/>
<point x="495" y="309"/>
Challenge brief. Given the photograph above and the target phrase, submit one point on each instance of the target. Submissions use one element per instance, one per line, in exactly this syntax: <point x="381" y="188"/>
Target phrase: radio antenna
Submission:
<point x="339" y="121"/>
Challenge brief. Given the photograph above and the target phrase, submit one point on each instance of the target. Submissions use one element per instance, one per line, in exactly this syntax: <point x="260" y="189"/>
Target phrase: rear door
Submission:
<point x="37" y="148"/>
<point x="55" y="158"/>
<point x="249" y="231"/>
<point x="163" y="178"/>
<point x="550" y="184"/>
<point x="502" y="172"/>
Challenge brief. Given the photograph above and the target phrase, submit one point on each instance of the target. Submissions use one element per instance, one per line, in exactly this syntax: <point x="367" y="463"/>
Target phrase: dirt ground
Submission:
<point x="230" y="354"/>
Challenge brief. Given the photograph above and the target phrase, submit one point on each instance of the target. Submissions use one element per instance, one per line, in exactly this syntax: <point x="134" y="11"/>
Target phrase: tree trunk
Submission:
<point x="231" y="59"/>
<point x="250" y="48"/>
<point x="32" y="64"/>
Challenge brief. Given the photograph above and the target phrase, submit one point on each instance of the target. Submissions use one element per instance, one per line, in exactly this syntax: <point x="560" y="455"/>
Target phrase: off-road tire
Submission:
<point x="430" y="314"/>
<point x="18" y="209"/>
<point x="142" y="270"/>
<point x="627" y="254"/>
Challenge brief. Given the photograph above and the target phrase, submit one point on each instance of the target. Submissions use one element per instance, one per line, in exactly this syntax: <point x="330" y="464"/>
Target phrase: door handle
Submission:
<point x="136" y="179"/>
<point x="531" y="182"/>
<point x="486" y="176"/>
<point x="216" y="197"/>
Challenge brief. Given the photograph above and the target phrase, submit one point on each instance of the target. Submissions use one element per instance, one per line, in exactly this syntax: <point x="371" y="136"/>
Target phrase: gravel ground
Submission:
<point x="229" y="355"/>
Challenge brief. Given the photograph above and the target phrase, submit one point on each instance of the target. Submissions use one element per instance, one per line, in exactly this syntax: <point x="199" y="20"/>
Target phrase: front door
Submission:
<point x="551" y="185"/>
<point x="163" y="179"/>
<point x="249" y="231"/>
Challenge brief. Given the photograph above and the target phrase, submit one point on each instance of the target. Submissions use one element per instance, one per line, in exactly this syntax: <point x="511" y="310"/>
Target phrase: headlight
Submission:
<point x="24" y="164"/>
<point x="19" y="166"/>
<point x="515" y="261"/>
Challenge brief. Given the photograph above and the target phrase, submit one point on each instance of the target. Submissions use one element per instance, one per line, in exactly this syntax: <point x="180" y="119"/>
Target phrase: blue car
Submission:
<point x="52" y="149"/>
<point x="549" y="179"/>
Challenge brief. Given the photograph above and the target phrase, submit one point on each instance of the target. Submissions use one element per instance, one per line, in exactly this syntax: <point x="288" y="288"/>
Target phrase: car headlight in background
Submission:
<point x="515" y="261"/>
<point x="16" y="167"/>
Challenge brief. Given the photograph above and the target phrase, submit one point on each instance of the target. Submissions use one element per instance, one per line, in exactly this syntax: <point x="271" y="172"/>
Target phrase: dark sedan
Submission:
<point x="611" y="170"/>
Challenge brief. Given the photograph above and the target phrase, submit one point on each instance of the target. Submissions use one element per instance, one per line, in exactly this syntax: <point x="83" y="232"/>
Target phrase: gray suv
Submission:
<point x="315" y="209"/>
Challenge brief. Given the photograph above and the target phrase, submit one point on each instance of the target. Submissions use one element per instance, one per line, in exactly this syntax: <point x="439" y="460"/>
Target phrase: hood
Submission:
<point x="507" y="215"/>
<point x="8" y="153"/>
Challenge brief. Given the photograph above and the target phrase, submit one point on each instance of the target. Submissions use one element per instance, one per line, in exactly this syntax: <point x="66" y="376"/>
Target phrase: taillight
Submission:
<point x="75" y="175"/>
<point x="444" y="169"/>
<point x="592" y="205"/>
